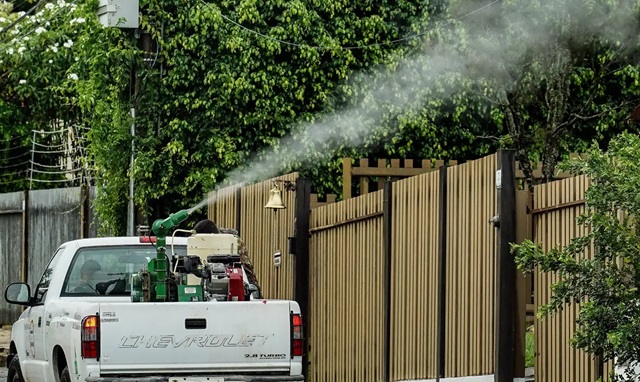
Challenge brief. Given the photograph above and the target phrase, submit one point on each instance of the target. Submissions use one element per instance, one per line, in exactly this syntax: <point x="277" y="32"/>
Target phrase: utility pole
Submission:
<point x="131" y="208"/>
<point x="123" y="14"/>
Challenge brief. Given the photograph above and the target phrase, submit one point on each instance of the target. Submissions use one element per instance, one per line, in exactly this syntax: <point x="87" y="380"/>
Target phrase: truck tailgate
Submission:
<point x="188" y="337"/>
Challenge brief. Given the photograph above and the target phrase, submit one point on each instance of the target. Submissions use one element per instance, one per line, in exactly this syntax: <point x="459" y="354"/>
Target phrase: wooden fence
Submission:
<point x="405" y="282"/>
<point x="373" y="173"/>
<point x="555" y="209"/>
<point x="32" y="225"/>
<point x="347" y="285"/>
<point x="441" y="298"/>
<point x="471" y="267"/>
<point x="410" y="282"/>
<point x="415" y="276"/>
<point x="263" y="231"/>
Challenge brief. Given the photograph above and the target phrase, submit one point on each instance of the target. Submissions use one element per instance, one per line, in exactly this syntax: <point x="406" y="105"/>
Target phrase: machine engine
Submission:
<point x="212" y="270"/>
<point x="214" y="264"/>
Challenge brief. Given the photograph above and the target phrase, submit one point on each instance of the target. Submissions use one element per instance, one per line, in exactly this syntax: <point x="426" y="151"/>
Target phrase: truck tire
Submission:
<point x="14" y="373"/>
<point x="65" y="376"/>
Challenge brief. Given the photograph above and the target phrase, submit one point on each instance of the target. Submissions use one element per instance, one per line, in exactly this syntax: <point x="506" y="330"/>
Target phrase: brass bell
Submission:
<point x="275" y="199"/>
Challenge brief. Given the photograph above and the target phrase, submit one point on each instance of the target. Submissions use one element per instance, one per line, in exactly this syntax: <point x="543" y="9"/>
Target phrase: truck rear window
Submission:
<point x="106" y="271"/>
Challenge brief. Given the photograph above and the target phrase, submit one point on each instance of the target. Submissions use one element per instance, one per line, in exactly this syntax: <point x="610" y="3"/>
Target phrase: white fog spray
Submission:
<point x="490" y="41"/>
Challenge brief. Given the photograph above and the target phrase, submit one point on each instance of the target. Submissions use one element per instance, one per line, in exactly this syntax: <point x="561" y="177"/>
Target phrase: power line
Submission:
<point x="15" y="157"/>
<point x="13" y="165"/>
<point x="35" y="26"/>
<point x="15" y="22"/>
<point x="4" y="150"/>
<point x="318" y="47"/>
<point x="11" y="139"/>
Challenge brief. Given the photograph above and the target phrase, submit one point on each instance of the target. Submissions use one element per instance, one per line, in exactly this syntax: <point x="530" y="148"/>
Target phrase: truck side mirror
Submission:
<point x="18" y="293"/>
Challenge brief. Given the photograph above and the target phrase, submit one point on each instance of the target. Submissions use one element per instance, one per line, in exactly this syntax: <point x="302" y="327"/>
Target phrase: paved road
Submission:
<point x="3" y="374"/>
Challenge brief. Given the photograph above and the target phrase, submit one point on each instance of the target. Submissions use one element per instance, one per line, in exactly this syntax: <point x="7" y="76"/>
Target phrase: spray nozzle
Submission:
<point x="162" y="227"/>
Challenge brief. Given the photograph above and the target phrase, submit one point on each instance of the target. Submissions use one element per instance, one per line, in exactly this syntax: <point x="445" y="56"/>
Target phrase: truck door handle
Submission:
<point x="195" y="323"/>
<point x="39" y="322"/>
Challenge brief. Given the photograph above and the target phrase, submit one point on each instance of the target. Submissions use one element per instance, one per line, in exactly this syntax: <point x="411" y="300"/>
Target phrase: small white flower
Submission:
<point x="40" y="30"/>
<point x="54" y="49"/>
<point x="15" y="31"/>
<point x="68" y="44"/>
<point x="73" y="76"/>
<point x="21" y="49"/>
<point x="10" y="51"/>
<point x="22" y="82"/>
<point x="47" y="23"/>
<point x="26" y="38"/>
<point x="77" y="59"/>
<point x="51" y="61"/>
<point x="3" y="20"/>
<point x="49" y="6"/>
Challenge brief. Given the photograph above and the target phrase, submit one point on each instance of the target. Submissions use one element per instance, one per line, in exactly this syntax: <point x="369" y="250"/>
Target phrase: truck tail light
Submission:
<point x="297" y="335"/>
<point x="90" y="337"/>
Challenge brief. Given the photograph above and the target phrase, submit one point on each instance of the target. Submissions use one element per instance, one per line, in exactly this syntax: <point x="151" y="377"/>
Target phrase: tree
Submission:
<point x="564" y="73"/>
<point x="607" y="285"/>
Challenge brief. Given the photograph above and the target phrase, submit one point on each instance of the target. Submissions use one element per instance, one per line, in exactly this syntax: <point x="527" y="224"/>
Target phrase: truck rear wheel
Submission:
<point x="14" y="374"/>
<point x="65" y="376"/>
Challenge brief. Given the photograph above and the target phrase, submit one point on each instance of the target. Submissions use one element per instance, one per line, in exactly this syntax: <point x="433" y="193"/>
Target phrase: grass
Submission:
<point x="529" y="349"/>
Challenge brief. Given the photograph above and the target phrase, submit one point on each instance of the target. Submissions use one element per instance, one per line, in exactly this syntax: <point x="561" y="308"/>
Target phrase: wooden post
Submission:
<point x="238" y="209"/>
<point x="442" y="284"/>
<point x="301" y="278"/>
<point x="84" y="212"/>
<point x="523" y="284"/>
<point x="363" y="181"/>
<point x="506" y="269"/>
<point x="25" y="236"/>
<point x="387" y="239"/>
<point x="346" y="178"/>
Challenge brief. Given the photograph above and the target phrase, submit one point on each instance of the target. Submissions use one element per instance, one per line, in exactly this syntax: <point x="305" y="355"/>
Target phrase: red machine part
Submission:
<point x="236" y="284"/>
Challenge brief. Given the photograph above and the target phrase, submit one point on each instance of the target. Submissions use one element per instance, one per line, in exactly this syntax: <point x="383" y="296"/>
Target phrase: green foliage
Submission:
<point x="529" y="349"/>
<point x="210" y="96"/>
<point x="228" y="93"/>
<point x="61" y="68"/>
<point x="607" y="282"/>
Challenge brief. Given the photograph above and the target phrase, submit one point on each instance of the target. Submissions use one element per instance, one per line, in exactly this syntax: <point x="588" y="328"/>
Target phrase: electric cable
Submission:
<point x="49" y="132"/>
<point x="54" y="172"/>
<point x="13" y="165"/>
<point x="356" y="47"/>
<point x="45" y="165"/>
<point x="16" y="157"/>
<point x="54" y="181"/>
<point x="14" y="173"/>
<point x="20" y="4"/>
<point x="61" y="145"/>
<point x="35" y="26"/>
<point x="16" y="21"/>
<point x="52" y="151"/>
<point x="15" y="138"/>
<point x="12" y="148"/>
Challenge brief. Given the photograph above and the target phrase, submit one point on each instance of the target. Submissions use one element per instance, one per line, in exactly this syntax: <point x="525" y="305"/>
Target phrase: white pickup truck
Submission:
<point x="73" y="330"/>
